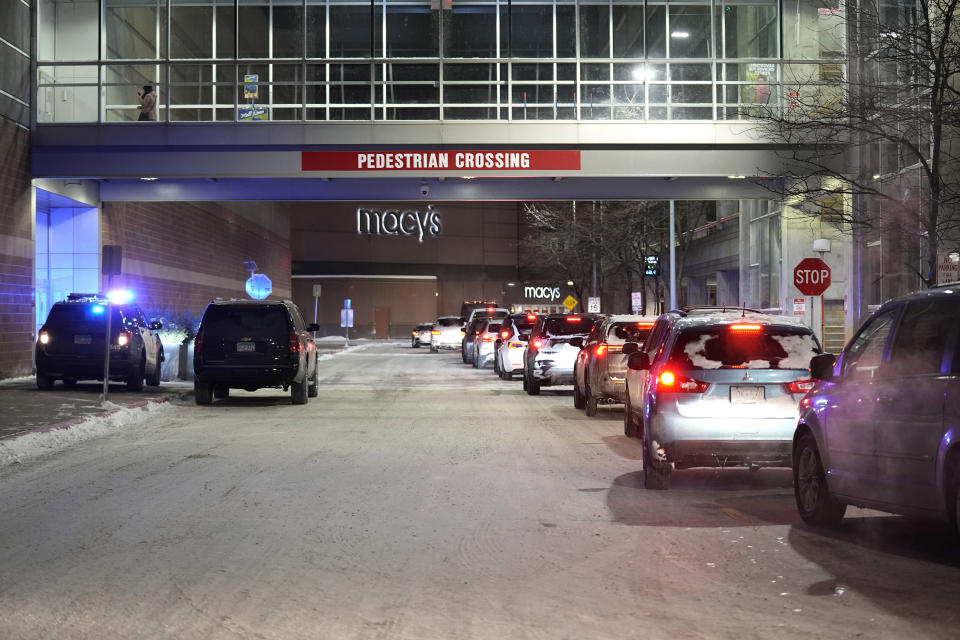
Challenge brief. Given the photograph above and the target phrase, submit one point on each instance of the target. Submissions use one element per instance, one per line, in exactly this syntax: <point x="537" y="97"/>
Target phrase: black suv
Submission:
<point x="70" y="344"/>
<point x="249" y="344"/>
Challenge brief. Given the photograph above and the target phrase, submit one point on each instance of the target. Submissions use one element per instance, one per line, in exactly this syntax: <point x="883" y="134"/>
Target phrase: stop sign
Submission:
<point x="811" y="276"/>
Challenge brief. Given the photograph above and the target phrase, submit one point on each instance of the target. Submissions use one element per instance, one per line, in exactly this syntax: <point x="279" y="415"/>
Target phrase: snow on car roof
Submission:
<point x="736" y="317"/>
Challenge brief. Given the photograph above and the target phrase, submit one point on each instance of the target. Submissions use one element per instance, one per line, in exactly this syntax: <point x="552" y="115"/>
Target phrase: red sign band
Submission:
<point x="460" y="161"/>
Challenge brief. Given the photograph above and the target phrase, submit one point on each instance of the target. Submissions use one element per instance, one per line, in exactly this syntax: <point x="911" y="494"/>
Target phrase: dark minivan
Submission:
<point x="250" y="344"/>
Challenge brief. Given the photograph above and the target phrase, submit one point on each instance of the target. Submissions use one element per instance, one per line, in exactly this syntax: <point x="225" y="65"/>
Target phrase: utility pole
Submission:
<point x="673" y="257"/>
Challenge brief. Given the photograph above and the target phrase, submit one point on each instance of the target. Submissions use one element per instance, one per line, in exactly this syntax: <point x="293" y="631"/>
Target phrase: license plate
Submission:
<point x="81" y="339"/>
<point x="246" y="346"/>
<point x="747" y="394"/>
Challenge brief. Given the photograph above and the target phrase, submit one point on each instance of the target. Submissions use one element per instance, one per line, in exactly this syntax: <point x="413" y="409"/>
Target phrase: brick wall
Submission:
<point x="16" y="253"/>
<point x="177" y="256"/>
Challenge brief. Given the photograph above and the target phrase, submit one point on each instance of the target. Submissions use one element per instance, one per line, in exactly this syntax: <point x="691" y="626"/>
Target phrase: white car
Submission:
<point x="508" y="358"/>
<point x="483" y="345"/>
<point x="446" y="333"/>
<point x="421" y="335"/>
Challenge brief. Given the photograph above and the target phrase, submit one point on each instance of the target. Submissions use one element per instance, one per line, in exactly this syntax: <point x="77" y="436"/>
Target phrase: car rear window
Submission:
<point x="744" y="347"/>
<point x="493" y="327"/>
<point x="449" y="322"/>
<point x="567" y="326"/>
<point x="621" y="332"/>
<point x="523" y="324"/>
<point x="239" y="322"/>
<point x="82" y="315"/>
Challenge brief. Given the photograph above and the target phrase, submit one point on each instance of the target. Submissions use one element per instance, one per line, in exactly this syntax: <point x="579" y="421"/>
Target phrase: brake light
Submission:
<point x="536" y="343"/>
<point x="504" y="334"/>
<point x="601" y="349"/>
<point x="294" y="343"/>
<point x="489" y="309"/>
<point x="487" y="338"/>
<point x="574" y="318"/>
<point x="531" y="317"/>
<point x="198" y="343"/>
<point x="515" y="345"/>
<point x="434" y="332"/>
<point x="43" y="338"/>
<point x="800" y="386"/>
<point x="123" y="338"/>
<point x="746" y="328"/>
<point x="674" y="383"/>
<point x="414" y="332"/>
<point x="644" y="325"/>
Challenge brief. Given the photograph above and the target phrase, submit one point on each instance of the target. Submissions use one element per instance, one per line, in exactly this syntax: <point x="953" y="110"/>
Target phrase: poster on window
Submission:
<point x="251" y="85"/>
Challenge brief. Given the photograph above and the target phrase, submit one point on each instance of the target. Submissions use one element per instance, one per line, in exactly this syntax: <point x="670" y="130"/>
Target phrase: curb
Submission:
<point x="73" y="422"/>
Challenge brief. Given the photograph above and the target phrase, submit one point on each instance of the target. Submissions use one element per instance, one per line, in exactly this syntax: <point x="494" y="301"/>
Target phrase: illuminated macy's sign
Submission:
<point x="394" y="222"/>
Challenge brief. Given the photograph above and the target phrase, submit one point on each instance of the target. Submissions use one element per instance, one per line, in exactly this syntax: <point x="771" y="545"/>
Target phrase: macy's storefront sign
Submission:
<point x="393" y="222"/>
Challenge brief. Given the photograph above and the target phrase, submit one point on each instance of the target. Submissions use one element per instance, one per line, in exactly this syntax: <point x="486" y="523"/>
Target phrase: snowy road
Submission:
<point x="419" y="498"/>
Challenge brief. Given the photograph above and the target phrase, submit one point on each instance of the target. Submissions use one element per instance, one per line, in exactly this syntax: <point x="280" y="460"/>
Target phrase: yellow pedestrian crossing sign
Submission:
<point x="570" y="303"/>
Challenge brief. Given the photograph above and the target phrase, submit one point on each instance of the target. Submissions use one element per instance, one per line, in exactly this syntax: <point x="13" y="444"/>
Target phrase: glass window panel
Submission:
<point x="354" y="113"/>
<point x="594" y="71"/>
<point x="412" y="72"/>
<point x="287" y="73"/>
<point x="316" y="72"/>
<point x="690" y="72"/>
<point x="131" y="29"/>
<point x="655" y="113"/>
<point x="470" y="94"/>
<point x="690" y="93"/>
<point x="594" y="95"/>
<point x="690" y="32"/>
<point x="191" y="73"/>
<point x="413" y="114"/>
<point x="594" y="31"/>
<point x="539" y="72"/>
<point x="691" y="113"/>
<point x="656" y="31"/>
<point x="253" y="31"/>
<point x="225" y="93"/>
<point x="316" y="27"/>
<point x="566" y="72"/>
<point x="639" y="72"/>
<point x="286" y="113"/>
<point x="316" y="94"/>
<point x="224" y="115"/>
<point x="350" y="72"/>
<point x="190" y="95"/>
<point x="533" y="93"/>
<point x="226" y="42"/>
<point x="287" y="31"/>
<point x="191" y="31"/>
<point x="412" y="31"/>
<point x="286" y="94"/>
<point x="533" y="113"/>
<point x="469" y="113"/>
<point x="349" y="94"/>
<point x="470" y="31"/>
<point x="191" y="115"/>
<point x="628" y="31"/>
<point x="531" y="31"/>
<point x="628" y="94"/>
<point x="412" y="94"/>
<point x="658" y="93"/>
<point x="749" y="31"/>
<point x="566" y="32"/>
<point x="471" y="72"/>
<point x="350" y="31"/>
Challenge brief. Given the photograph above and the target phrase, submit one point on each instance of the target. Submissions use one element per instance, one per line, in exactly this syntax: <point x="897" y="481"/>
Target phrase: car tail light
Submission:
<point x="504" y="334"/>
<point x="644" y="325"/>
<point x="669" y="381"/>
<point x="123" y="338"/>
<point x="574" y="318"/>
<point x="536" y="343"/>
<point x="414" y="332"/>
<point x="800" y="386"/>
<point x="746" y="328"/>
<point x="608" y="348"/>
<point x="294" y="343"/>
<point x="515" y="345"/>
<point x="198" y="343"/>
<point x="463" y="332"/>
<point x="531" y="317"/>
<point x="486" y="338"/>
<point x="490" y="309"/>
<point x="43" y="338"/>
<point x="434" y="332"/>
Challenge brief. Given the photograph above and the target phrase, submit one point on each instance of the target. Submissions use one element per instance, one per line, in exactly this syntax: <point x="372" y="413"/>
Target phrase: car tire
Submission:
<point x="298" y="391"/>
<point x="153" y="379"/>
<point x="496" y="364"/>
<point x="476" y="359"/>
<point x="221" y="391"/>
<point x="578" y="402"/>
<point x="202" y="392"/>
<point x="631" y="425"/>
<point x="44" y="382"/>
<point x="135" y="380"/>
<point x="533" y="388"/>
<point x="590" y="403"/>
<point x="814" y="502"/>
<point x="655" y="476"/>
<point x="314" y="387"/>
<point x="433" y="349"/>
<point x="463" y="354"/>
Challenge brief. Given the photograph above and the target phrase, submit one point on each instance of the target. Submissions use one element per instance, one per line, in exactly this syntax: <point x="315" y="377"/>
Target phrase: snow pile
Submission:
<point x="16" y="450"/>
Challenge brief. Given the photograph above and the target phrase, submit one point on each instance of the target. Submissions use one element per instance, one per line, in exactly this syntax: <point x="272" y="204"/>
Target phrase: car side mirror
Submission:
<point x="576" y="342"/>
<point x="821" y="366"/>
<point x="156" y="325"/>
<point x="639" y="361"/>
<point x="313" y="327"/>
<point x="629" y="348"/>
<point x="524" y="337"/>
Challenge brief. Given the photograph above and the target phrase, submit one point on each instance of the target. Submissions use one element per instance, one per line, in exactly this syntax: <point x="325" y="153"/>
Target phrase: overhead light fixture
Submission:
<point x="876" y="176"/>
<point x="148" y="179"/>
<point x="511" y="284"/>
<point x="736" y="177"/>
<point x="468" y="177"/>
<point x="569" y="283"/>
<point x="680" y="34"/>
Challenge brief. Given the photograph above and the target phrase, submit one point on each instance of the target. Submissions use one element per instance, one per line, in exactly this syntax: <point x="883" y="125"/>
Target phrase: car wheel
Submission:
<point x="533" y="388"/>
<point x="590" y="403"/>
<point x="44" y="381"/>
<point x="202" y="392"/>
<point x="433" y="349"/>
<point x="814" y="502"/>
<point x="70" y="383"/>
<point x="298" y="391"/>
<point x="221" y="391"/>
<point x="135" y="380"/>
<point x="656" y="475"/>
<point x="631" y="425"/>
<point x="496" y="364"/>
<point x="463" y="355"/>
<point x="577" y="396"/>
<point x="153" y="379"/>
<point x="314" y="387"/>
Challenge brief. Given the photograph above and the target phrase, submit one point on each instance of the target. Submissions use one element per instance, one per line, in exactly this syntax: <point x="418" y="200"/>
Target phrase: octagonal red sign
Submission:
<point x="811" y="276"/>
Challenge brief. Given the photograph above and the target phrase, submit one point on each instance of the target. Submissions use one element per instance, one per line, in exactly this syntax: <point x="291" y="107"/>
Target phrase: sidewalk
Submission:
<point x="25" y="408"/>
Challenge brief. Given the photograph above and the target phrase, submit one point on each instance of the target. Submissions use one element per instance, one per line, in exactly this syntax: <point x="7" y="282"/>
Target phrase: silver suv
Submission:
<point x="600" y="369"/>
<point x="881" y="428"/>
<point x="723" y="390"/>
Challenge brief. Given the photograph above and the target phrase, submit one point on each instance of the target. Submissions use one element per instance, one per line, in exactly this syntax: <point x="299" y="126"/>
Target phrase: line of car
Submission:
<point x="876" y="427"/>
